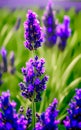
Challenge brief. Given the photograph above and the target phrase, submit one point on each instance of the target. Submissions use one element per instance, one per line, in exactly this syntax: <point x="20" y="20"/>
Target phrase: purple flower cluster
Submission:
<point x="33" y="35"/>
<point x="73" y="120"/>
<point x="34" y="79"/>
<point x="49" y="26"/>
<point x="9" y="118"/>
<point x="5" y="66"/>
<point x="63" y="32"/>
<point x="48" y="119"/>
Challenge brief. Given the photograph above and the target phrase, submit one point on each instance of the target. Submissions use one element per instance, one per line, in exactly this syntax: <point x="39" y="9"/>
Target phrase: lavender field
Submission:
<point x="40" y="67"/>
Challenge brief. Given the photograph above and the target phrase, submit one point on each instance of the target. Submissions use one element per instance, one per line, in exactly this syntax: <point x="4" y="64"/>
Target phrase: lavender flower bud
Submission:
<point x="17" y="25"/>
<point x="4" y="57"/>
<point x="12" y="60"/>
<point x="34" y="79"/>
<point x="48" y="118"/>
<point x="1" y="82"/>
<point x="73" y="120"/>
<point x="49" y="26"/>
<point x="21" y="110"/>
<point x="29" y="116"/>
<point x="33" y="35"/>
<point x="63" y="32"/>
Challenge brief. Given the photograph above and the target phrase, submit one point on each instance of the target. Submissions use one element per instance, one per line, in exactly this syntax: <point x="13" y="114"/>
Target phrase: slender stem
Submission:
<point x="33" y="105"/>
<point x="33" y="114"/>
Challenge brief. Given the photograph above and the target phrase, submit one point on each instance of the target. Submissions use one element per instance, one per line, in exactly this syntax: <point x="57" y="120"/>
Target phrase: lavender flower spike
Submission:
<point x="34" y="79"/>
<point x="33" y="34"/>
<point x="63" y="33"/>
<point x="73" y="120"/>
<point x="49" y="26"/>
<point x="48" y="118"/>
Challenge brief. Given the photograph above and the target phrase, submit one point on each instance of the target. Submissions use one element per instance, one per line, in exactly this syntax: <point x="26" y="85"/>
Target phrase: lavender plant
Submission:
<point x="34" y="79"/>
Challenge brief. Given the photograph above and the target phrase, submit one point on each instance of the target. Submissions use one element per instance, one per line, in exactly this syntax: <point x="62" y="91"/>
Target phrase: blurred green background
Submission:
<point x="63" y="68"/>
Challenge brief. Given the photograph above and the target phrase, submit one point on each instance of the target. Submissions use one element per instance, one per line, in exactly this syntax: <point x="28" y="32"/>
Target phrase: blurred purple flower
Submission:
<point x="49" y="22"/>
<point x="63" y="33"/>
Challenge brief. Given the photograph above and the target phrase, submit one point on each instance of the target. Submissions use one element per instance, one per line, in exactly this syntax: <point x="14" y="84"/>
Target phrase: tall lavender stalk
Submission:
<point x="34" y="79"/>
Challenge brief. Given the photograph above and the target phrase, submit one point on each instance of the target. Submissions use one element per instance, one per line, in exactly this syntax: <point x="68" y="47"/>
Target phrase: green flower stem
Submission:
<point x="33" y="104"/>
<point x="33" y="113"/>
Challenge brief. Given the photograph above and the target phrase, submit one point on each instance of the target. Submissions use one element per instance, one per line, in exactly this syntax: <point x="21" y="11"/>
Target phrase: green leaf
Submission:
<point x="69" y="69"/>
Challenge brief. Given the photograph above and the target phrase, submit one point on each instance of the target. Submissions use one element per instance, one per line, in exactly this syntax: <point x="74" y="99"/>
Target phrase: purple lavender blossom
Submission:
<point x="73" y="120"/>
<point x="48" y="119"/>
<point x="63" y="33"/>
<point x="33" y="35"/>
<point x="49" y="26"/>
<point x="34" y="80"/>
<point x="9" y="118"/>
